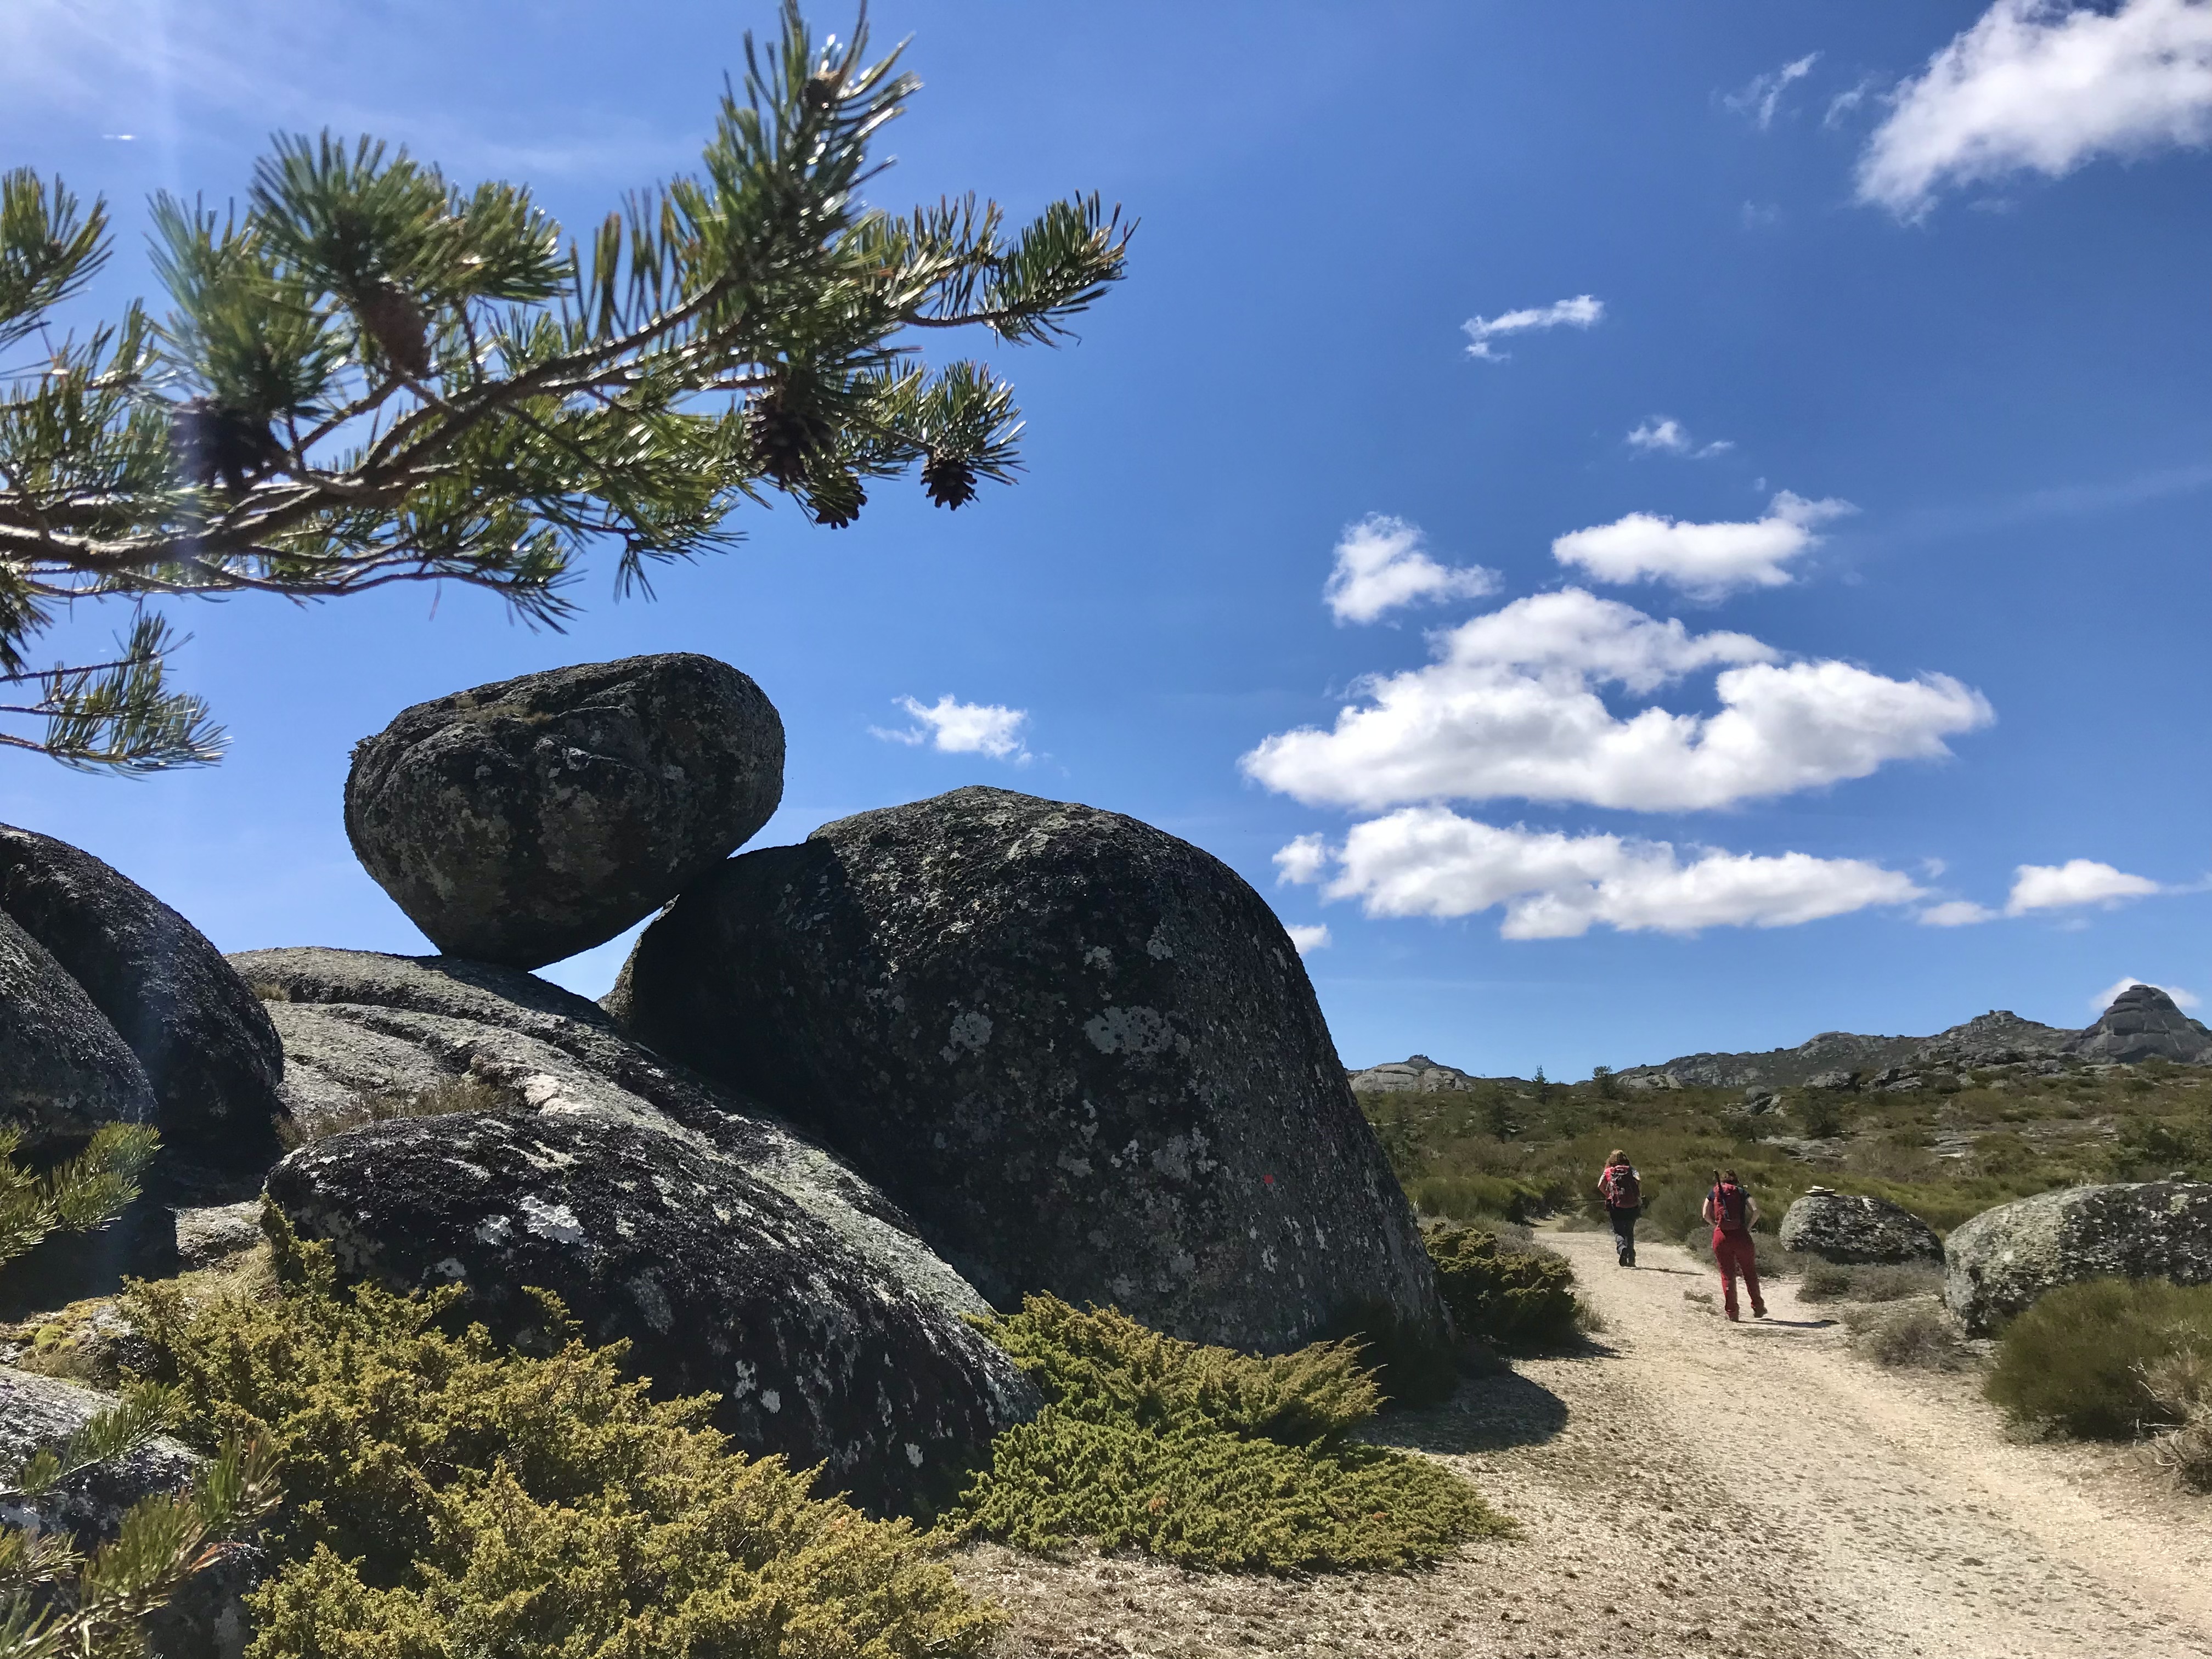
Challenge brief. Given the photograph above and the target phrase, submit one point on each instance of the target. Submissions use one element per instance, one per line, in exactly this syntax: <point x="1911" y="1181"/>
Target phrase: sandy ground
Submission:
<point x="1691" y="1487"/>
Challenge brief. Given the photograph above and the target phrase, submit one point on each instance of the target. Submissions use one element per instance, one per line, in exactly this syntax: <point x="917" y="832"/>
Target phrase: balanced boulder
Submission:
<point x="718" y="1281"/>
<point x="1083" y="1055"/>
<point x="525" y="821"/>
<point x="208" y="1050"/>
<point x="1998" y="1263"/>
<point x="2143" y="1023"/>
<point x="1839" y="1227"/>
<point x="64" y="1071"/>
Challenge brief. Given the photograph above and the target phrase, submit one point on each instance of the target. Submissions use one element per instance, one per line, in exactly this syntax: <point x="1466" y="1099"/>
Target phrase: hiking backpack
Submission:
<point x="1729" y="1203"/>
<point x="1625" y="1193"/>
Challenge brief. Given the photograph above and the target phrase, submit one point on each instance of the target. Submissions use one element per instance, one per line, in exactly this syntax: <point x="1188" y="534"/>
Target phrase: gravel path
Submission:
<point x="1695" y="1488"/>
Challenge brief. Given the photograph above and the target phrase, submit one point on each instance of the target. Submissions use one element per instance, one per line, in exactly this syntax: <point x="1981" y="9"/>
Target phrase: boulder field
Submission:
<point x="848" y="1097"/>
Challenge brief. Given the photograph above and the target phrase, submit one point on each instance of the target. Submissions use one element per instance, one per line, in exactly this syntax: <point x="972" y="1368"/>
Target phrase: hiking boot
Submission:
<point x="1758" y="1312"/>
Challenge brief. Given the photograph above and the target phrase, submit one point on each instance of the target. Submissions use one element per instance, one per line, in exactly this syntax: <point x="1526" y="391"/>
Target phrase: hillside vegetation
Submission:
<point x="1954" y="1146"/>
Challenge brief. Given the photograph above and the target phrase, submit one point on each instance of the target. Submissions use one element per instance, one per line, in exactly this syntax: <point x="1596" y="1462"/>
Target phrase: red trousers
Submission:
<point x="1735" y="1255"/>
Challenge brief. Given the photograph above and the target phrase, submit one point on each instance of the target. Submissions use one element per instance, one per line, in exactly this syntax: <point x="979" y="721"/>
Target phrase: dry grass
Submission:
<point x="1915" y="1337"/>
<point x="465" y="1093"/>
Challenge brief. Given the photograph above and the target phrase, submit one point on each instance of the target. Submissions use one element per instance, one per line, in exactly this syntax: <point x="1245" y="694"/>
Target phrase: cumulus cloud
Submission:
<point x="1308" y="939"/>
<point x="1661" y="436"/>
<point x="1763" y="96"/>
<point x="1429" y="861"/>
<point x="1581" y="311"/>
<point x="2076" y="882"/>
<point x="2041" y="86"/>
<point x="1704" y="559"/>
<point x="2104" y="999"/>
<point x="962" y="728"/>
<point x="1511" y="707"/>
<point x="1381" y="564"/>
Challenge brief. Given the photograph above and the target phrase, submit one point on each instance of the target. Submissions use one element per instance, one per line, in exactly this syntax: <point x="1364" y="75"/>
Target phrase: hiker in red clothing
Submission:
<point x="1732" y="1210"/>
<point x="1623" y="1194"/>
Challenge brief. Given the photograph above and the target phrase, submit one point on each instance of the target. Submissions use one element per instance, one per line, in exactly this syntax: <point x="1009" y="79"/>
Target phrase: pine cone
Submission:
<point x="838" y="500"/>
<point x="389" y="317"/>
<point x="211" y="441"/>
<point x="950" y="481"/>
<point x="787" y="434"/>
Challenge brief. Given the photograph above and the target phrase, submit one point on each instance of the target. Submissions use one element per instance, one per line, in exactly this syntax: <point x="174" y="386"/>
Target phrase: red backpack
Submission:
<point x="1730" y="1202"/>
<point x="1623" y="1191"/>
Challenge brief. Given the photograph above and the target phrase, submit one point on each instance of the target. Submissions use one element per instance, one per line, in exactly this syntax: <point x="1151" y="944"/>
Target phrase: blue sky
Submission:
<point x="1865" y="689"/>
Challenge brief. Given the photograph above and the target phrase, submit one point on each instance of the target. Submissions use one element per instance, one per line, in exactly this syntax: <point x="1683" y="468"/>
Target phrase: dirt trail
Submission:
<point x="1698" y="1488"/>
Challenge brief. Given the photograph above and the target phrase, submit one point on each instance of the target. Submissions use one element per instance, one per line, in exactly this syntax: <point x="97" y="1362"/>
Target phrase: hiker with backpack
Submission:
<point x="1623" y="1194"/>
<point x="1731" y="1210"/>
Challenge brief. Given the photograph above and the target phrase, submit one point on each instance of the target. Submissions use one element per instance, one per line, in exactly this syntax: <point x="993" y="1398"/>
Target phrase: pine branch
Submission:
<point x="370" y="375"/>
<point x="89" y="1191"/>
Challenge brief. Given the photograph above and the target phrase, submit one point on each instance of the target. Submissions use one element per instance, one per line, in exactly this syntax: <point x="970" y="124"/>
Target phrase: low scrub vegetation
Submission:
<point x="444" y="1495"/>
<point x="1206" y="1457"/>
<point x="2081" y="1360"/>
<point x="1916" y="1338"/>
<point x="1502" y="1292"/>
<point x="1827" y="1281"/>
<point x="465" y="1093"/>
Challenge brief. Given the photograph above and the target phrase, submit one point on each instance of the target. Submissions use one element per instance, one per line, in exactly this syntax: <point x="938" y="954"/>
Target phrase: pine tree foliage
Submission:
<point x="163" y="1541"/>
<point x="369" y="374"/>
<point x="87" y="1191"/>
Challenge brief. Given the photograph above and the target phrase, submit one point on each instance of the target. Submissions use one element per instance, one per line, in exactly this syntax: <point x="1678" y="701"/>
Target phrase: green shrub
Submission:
<point x="1476" y="1197"/>
<point x="1204" y="1456"/>
<point x="2076" y="1359"/>
<point x="1824" y="1281"/>
<point x="1508" y="1297"/>
<point x="446" y="1496"/>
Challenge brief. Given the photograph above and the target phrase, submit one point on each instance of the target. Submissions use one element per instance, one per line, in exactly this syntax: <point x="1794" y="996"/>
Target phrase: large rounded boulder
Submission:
<point x="523" y="822"/>
<point x="208" y="1050"/>
<point x="1998" y="1263"/>
<point x="64" y="1071"/>
<point x="2143" y="1023"/>
<point x="1082" y="1054"/>
<point x="718" y="1281"/>
<point x="1839" y="1227"/>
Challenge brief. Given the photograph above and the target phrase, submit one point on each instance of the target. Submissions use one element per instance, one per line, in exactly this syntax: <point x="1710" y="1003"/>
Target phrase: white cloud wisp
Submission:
<point x="1429" y="861"/>
<point x="1763" y="96"/>
<point x="2076" y="882"/>
<point x="1663" y="435"/>
<point x="1512" y="708"/>
<point x="1704" y="559"/>
<point x="953" y="728"/>
<point x="2046" y="87"/>
<point x="1382" y="563"/>
<point x="1308" y="938"/>
<point x="1582" y="311"/>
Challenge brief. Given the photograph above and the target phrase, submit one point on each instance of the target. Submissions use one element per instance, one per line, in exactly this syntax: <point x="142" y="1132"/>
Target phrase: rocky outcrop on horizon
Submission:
<point x="1415" y="1074"/>
<point x="2144" y="1022"/>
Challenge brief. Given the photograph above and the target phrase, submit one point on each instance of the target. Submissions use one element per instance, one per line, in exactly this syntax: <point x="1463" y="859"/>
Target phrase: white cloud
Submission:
<point x="1308" y="938"/>
<point x="1381" y="564"/>
<point x="1302" y="860"/>
<point x="2044" y="87"/>
<point x="1662" y="436"/>
<point x="2104" y="999"/>
<point x="2077" y="881"/>
<point x="1511" y="708"/>
<point x="1429" y="861"/>
<point x="1581" y="311"/>
<point x="1763" y="96"/>
<point x="1955" y="913"/>
<point x="963" y="728"/>
<point x="1704" y="559"/>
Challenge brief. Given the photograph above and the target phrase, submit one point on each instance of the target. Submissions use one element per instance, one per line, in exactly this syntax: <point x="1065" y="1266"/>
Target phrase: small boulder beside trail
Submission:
<point x="1839" y="1227"/>
<point x="719" y="1282"/>
<point x="522" y="822"/>
<point x="1999" y="1262"/>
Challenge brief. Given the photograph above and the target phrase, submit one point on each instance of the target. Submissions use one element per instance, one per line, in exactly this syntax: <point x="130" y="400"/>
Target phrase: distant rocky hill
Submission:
<point x="2142" y="1024"/>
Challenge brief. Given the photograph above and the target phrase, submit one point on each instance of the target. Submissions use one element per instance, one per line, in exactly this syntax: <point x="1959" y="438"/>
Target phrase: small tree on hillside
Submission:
<point x="370" y="374"/>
